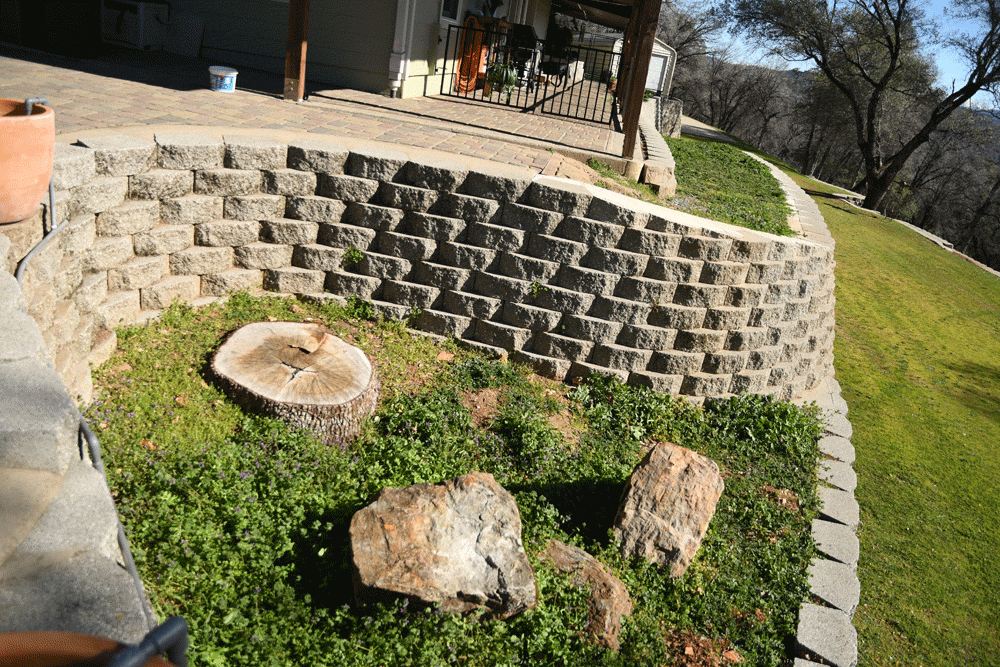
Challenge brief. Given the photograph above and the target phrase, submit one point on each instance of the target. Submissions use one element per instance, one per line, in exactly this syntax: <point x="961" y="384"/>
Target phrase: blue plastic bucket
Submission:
<point x="222" y="79"/>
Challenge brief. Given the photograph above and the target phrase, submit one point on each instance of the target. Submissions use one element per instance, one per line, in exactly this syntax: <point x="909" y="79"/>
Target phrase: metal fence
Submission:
<point x="509" y="66"/>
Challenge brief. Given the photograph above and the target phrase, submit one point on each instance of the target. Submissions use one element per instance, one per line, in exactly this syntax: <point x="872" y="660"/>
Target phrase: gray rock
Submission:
<point x="263" y="256"/>
<point x="161" y="294"/>
<point x="317" y="156"/>
<point x="72" y="166"/>
<point x="227" y="182"/>
<point x="254" y="207"/>
<point x="189" y="151"/>
<point x="227" y="233"/>
<point x="254" y="153"/>
<point x="163" y="240"/>
<point x="837" y="447"/>
<point x="161" y="184"/>
<point x="97" y="195"/>
<point x="20" y="337"/>
<point x="190" y="210"/>
<point x="121" y="155"/>
<point x="137" y="273"/>
<point x="290" y="182"/>
<point x="839" y="506"/>
<point x="835" y="584"/>
<point x="231" y="280"/>
<point x="199" y="261"/>
<point x="495" y="182"/>
<point x="290" y="232"/>
<point x="840" y="474"/>
<point x="131" y="217"/>
<point x="440" y="175"/>
<point x="553" y="194"/>
<point x="667" y="505"/>
<point x="294" y="280"/>
<point x="837" y="541"/>
<point x="457" y="543"/>
<point x="827" y="635"/>
<point x="376" y="163"/>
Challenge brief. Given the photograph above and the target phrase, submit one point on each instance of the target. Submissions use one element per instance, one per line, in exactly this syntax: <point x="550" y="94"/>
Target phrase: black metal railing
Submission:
<point x="503" y="65"/>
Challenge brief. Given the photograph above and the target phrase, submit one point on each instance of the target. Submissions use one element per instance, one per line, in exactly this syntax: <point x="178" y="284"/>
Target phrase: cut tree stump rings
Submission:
<point x="301" y="373"/>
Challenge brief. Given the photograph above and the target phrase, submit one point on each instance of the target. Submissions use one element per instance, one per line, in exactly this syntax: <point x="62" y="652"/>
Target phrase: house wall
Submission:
<point x="568" y="278"/>
<point x="349" y="42"/>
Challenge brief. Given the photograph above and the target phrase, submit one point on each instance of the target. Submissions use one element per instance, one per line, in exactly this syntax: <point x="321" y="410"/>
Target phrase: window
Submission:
<point x="449" y="10"/>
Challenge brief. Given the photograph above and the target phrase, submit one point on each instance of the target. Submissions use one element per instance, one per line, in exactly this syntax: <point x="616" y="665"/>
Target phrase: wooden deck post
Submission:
<point x="645" y="15"/>
<point x="295" y="54"/>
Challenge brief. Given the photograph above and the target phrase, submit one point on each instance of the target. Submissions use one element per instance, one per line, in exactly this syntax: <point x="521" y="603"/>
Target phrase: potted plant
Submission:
<point x="612" y="81"/>
<point x="500" y="76"/>
<point x="27" y="145"/>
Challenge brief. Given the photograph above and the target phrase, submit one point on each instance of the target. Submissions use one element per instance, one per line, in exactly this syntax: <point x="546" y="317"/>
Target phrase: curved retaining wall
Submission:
<point x="568" y="278"/>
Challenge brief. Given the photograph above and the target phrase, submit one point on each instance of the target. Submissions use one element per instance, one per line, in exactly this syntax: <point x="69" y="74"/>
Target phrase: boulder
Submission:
<point x="457" y="542"/>
<point x="667" y="505"/>
<point x="609" y="599"/>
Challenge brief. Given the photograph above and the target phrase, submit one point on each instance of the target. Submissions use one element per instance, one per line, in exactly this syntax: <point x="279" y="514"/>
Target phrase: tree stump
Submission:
<point x="301" y="373"/>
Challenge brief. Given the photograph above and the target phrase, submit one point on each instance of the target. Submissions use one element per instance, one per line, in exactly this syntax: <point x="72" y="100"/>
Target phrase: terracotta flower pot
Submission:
<point x="27" y="144"/>
<point x="52" y="649"/>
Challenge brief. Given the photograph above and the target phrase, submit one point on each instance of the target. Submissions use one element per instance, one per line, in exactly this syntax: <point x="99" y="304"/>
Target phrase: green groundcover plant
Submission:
<point x="239" y="523"/>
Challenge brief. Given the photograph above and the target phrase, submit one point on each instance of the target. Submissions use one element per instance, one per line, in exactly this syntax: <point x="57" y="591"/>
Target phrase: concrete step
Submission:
<point x="82" y="517"/>
<point x="69" y="591"/>
<point x="39" y="423"/>
<point x="25" y="497"/>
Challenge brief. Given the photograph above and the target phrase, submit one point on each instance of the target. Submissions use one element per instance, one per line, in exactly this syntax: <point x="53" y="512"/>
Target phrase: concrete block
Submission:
<point x="530" y="219"/>
<point x="764" y="272"/>
<point x="317" y="156"/>
<point x="254" y="207"/>
<point x="502" y="239"/>
<point x="163" y="240"/>
<point x="563" y="347"/>
<point x="226" y="233"/>
<point x="383" y="267"/>
<point x="105" y="344"/>
<point x="471" y="305"/>
<point x="835" y="584"/>
<point x="673" y="269"/>
<point x="97" y="195"/>
<point x="566" y="197"/>
<point x="645" y="290"/>
<point x="92" y="292"/>
<point x="314" y="209"/>
<point x="781" y="291"/>
<point x="289" y="182"/>
<point x="72" y="166"/>
<point x="501" y="335"/>
<point x="619" y="310"/>
<point x="443" y="324"/>
<point x="838" y="447"/>
<point x="466" y="256"/>
<point x="11" y="297"/>
<point x="704" y="384"/>
<point x="317" y="257"/>
<point x="226" y="182"/>
<point x="108" y="253"/>
<point x="839" y="506"/>
<point x="199" y="261"/>
<point x="530" y="317"/>
<point x="254" y="153"/>
<point x="555" y="249"/>
<point x="346" y="236"/>
<point x="838" y="424"/>
<point x="523" y="267"/>
<point x="749" y="250"/>
<point x="392" y="311"/>
<point x="501" y="287"/>
<point x="137" y="273"/>
<point x="503" y="185"/>
<point x="700" y="296"/>
<point x="723" y="273"/>
<point x="121" y="155"/>
<point x="128" y="218"/>
<point x="190" y="210"/>
<point x="587" y="280"/>
<point x="289" y="232"/>
<point x="658" y="382"/>
<point x="752" y="382"/>
<point x="766" y="315"/>
<point x="346" y="188"/>
<point x="20" y="338"/>
<point x="83" y="593"/>
<point x="782" y="250"/>
<point x="699" y="340"/>
<point x="435" y="227"/>
<point x="745" y="296"/>
<point x="590" y="232"/>
<point x="582" y="370"/>
<point x="353" y="284"/>
<point x="294" y="280"/>
<point x="591" y="328"/>
<point x="262" y="256"/>
<point x="412" y="248"/>
<point x="79" y="235"/>
<point x="161" y="294"/>
<point x="649" y="242"/>
<point x="81" y="517"/>
<point x="620" y="357"/>
<point x="189" y="151"/>
<point x="410" y="295"/>
<point x="381" y="218"/>
<point x="837" y="541"/>
<point x="672" y="362"/>
<point x="405" y="197"/>
<point x="231" y="280"/>
<point x="564" y="300"/>
<point x="434" y="174"/>
<point x="547" y="367"/>
<point x="38" y="420"/>
<point x="727" y="318"/>
<point x="376" y="163"/>
<point x="704" y="248"/>
<point x="646" y="337"/>
<point x="442" y="277"/>
<point x="763" y="359"/>
<point x="468" y="208"/>
<point x="670" y="316"/>
<point x="161" y="184"/>
<point x="827" y="635"/>
<point x="615" y="261"/>
<point x="617" y="214"/>
<point x="724" y="362"/>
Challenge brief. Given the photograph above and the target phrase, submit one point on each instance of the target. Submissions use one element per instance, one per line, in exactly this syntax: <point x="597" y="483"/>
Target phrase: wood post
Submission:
<point x="295" y="54"/>
<point x="642" y="25"/>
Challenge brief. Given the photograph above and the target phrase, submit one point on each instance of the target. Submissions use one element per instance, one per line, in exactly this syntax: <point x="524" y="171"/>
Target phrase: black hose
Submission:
<point x="170" y="638"/>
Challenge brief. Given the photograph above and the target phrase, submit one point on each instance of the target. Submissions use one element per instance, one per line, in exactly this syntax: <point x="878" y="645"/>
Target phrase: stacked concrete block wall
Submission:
<point x="569" y="278"/>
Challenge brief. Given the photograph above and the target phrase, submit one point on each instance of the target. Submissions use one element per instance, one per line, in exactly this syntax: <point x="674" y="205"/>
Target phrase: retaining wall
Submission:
<point x="568" y="278"/>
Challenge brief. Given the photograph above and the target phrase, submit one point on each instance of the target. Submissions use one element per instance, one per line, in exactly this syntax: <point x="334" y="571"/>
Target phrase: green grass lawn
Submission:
<point x="918" y="360"/>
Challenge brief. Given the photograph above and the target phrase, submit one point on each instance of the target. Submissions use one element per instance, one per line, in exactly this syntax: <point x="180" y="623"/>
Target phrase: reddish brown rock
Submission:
<point x="667" y="505"/>
<point x="457" y="542"/>
<point x="609" y="599"/>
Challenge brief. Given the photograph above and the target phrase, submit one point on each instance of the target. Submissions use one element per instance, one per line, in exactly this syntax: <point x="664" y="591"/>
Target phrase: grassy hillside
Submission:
<point x="918" y="359"/>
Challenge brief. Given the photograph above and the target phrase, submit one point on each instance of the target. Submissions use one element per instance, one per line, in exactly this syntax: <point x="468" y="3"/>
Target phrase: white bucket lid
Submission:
<point x="219" y="70"/>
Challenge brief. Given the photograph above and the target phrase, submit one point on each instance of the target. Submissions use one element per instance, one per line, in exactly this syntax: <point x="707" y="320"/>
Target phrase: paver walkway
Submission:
<point x="128" y="88"/>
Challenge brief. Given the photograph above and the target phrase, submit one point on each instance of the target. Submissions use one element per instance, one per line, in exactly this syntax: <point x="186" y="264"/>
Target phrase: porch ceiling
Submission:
<point x="610" y="13"/>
